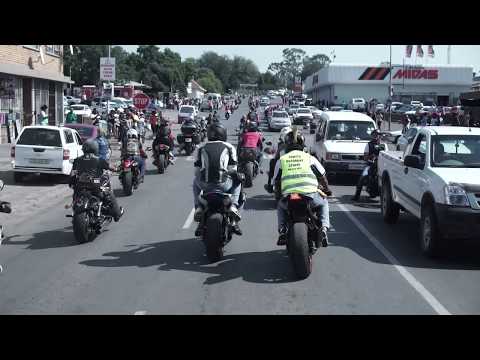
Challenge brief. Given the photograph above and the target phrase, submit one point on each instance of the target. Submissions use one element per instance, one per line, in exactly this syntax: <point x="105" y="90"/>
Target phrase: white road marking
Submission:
<point x="417" y="285"/>
<point x="190" y="158"/>
<point x="189" y="220"/>
<point x="143" y="312"/>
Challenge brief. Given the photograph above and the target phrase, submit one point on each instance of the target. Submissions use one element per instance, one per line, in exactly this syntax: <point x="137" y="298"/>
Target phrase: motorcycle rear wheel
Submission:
<point x="299" y="251"/>
<point x="188" y="149"/>
<point x="81" y="229"/>
<point x="127" y="183"/>
<point x="248" y="174"/>
<point x="161" y="163"/>
<point x="213" y="237"/>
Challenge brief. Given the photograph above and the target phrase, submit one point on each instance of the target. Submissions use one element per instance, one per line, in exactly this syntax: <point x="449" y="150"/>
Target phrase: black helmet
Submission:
<point x="252" y="126"/>
<point x="90" y="147"/>
<point x="294" y="140"/>
<point x="216" y="132"/>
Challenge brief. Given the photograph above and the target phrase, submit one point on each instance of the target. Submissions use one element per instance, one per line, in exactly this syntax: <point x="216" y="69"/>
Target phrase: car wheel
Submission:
<point x="430" y="238"/>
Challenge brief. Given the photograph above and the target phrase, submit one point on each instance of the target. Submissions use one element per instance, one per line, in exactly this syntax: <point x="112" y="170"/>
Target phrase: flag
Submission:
<point x="408" y="51"/>
<point x="419" y="51"/>
<point x="431" y="53"/>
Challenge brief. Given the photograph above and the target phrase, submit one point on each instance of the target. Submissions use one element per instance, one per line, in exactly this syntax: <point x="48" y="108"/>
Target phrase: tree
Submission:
<point x="296" y="63"/>
<point x="209" y="81"/>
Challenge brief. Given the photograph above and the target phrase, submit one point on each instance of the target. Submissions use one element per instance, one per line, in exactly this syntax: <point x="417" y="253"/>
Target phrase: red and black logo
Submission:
<point x="374" y="73"/>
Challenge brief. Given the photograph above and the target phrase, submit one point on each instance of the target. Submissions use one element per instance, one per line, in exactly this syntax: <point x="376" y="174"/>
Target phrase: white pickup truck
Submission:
<point x="437" y="179"/>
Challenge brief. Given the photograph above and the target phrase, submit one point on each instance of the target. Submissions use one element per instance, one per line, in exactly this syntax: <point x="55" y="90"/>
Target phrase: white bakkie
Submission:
<point x="437" y="179"/>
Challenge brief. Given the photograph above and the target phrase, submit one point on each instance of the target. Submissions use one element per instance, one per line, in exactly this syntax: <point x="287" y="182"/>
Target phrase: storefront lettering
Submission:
<point x="416" y="74"/>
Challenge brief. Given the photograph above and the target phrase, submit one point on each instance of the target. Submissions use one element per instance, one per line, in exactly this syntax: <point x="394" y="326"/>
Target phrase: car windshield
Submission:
<point x="280" y="115"/>
<point x="350" y="130"/>
<point x="358" y="100"/>
<point x="294" y="106"/>
<point x="460" y="151"/>
<point x="40" y="137"/>
<point x="78" y="107"/>
<point x="186" y="109"/>
<point x="304" y="111"/>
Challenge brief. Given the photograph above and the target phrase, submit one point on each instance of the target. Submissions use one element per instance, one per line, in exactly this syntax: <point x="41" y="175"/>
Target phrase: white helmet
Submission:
<point x="132" y="133"/>
<point x="284" y="132"/>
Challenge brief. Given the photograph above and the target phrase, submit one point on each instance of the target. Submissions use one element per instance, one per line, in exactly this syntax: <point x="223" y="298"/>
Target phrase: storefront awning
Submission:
<point x="24" y="70"/>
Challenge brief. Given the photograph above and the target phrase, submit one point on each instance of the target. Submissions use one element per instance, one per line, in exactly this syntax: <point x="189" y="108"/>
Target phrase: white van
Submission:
<point x="340" y="141"/>
<point x="358" y="104"/>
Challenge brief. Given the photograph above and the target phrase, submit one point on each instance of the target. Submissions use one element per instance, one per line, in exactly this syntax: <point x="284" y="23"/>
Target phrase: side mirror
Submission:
<point x="412" y="161"/>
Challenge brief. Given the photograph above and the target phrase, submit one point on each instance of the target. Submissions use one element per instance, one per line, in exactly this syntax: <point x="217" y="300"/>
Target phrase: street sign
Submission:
<point x="107" y="69"/>
<point x="141" y="101"/>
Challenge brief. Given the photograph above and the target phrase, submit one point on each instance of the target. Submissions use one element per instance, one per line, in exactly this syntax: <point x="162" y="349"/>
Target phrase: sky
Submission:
<point x="263" y="55"/>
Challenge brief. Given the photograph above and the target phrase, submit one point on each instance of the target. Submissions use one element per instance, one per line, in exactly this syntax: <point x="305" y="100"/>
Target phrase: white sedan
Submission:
<point x="81" y="110"/>
<point x="279" y="120"/>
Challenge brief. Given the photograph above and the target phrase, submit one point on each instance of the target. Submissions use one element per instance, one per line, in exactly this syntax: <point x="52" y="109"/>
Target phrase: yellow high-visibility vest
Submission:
<point x="297" y="175"/>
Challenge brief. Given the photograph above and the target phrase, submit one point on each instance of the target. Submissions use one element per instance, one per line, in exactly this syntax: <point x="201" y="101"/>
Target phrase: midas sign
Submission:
<point x="416" y="74"/>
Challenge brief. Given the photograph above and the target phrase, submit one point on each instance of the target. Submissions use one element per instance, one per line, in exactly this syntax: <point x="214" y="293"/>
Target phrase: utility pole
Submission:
<point x="390" y="93"/>
<point x="449" y="51"/>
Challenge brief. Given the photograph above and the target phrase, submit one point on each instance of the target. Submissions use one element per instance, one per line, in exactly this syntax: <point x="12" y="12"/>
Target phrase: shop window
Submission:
<point x="34" y="47"/>
<point x="53" y="50"/>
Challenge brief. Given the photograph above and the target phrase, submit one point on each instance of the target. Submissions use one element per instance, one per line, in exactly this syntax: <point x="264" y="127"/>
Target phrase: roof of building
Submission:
<point x="137" y="84"/>
<point x="25" y="70"/>
<point x="197" y="85"/>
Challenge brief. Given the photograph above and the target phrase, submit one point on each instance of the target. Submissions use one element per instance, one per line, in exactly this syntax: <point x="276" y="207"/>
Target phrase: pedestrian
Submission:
<point x="71" y="117"/>
<point x="43" y="117"/>
<point x="379" y="119"/>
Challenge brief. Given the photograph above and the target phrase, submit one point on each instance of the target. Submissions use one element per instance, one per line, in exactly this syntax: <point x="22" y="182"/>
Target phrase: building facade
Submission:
<point x="339" y="83"/>
<point x="31" y="76"/>
<point x="194" y="90"/>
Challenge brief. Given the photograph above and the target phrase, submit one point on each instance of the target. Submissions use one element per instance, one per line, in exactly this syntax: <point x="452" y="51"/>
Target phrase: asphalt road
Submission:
<point x="151" y="263"/>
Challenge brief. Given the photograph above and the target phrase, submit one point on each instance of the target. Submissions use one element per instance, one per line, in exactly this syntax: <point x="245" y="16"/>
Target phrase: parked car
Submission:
<point x="187" y="112"/>
<point x="436" y="180"/>
<point x="85" y="131"/>
<point x="380" y="107"/>
<point x="279" y="120"/>
<point x="340" y="141"/>
<point x="81" y="110"/>
<point x="416" y="103"/>
<point x="45" y="150"/>
<point x="72" y="100"/>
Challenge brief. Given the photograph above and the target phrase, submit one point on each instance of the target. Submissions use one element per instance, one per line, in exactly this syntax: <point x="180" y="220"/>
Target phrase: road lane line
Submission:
<point x="417" y="285"/>
<point x="143" y="312"/>
<point x="189" y="220"/>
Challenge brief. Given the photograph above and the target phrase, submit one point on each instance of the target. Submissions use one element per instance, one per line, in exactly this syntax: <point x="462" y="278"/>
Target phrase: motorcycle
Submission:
<point x="217" y="219"/>
<point x="129" y="175"/>
<point x="161" y="154"/>
<point x="248" y="165"/>
<point x="227" y="114"/>
<point x="189" y="138"/>
<point x="372" y="187"/>
<point x="89" y="210"/>
<point x="304" y="234"/>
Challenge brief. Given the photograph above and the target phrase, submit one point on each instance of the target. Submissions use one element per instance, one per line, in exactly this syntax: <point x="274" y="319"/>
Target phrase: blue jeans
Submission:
<point x="317" y="201"/>
<point x="141" y="164"/>
<point x="227" y="187"/>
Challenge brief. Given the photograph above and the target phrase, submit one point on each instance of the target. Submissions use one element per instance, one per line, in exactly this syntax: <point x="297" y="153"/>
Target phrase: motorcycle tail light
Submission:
<point x="295" y="197"/>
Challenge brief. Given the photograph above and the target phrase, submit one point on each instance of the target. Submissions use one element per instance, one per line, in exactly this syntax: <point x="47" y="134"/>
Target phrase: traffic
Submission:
<point x="243" y="202"/>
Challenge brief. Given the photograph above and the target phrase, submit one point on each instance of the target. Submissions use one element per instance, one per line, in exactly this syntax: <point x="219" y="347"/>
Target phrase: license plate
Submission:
<point x="356" y="166"/>
<point x="188" y="139"/>
<point x="39" y="161"/>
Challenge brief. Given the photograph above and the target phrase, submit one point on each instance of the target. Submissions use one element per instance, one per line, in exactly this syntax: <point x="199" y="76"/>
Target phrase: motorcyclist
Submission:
<point x="279" y="153"/>
<point x="164" y="136"/>
<point x="216" y="169"/>
<point x="252" y="139"/>
<point x="300" y="172"/>
<point x="133" y="147"/>
<point x="209" y="119"/>
<point x="370" y="153"/>
<point x="92" y="165"/>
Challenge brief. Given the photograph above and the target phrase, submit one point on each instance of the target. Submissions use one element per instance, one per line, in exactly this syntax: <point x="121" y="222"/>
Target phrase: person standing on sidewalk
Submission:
<point x="43" y="117"/>
<point x="379" y="119"/>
